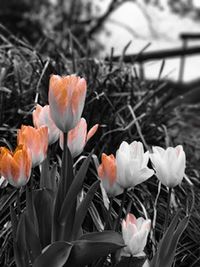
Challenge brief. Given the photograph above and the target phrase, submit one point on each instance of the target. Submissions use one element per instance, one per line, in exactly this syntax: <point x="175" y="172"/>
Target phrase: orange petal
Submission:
<point x="92" y="131"/>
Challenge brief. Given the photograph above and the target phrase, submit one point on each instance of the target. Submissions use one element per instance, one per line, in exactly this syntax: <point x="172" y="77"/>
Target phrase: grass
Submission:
<point x="126" y="107"/>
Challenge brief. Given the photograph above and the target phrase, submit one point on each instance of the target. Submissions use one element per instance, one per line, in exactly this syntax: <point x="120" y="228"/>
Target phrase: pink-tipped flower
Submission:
<point x="107" y="174"/>
<point x="15" y="166"/>
<point x="78" y="137"/>
<point x="135" y="233"/>
<point x="41" y="117"/>
<point x="66" y="100"/>
<point x="169" y="164"/>
<point x="36" y="140"/>
<point x="132" y="164"/>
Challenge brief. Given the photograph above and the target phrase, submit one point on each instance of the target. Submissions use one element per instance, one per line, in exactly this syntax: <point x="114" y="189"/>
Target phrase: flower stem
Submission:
<point x="120" y="210"/>
<point x="168" y="209"/>
<point x="64" y="165"/>
<point x="109" y="214"/>
<point x="18" y="202"/>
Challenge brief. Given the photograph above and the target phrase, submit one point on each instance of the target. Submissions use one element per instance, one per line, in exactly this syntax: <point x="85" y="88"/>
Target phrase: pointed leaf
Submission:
<point x="54" y="255"/>
<point x="43" y="201"/>
<point x="14" y="222"/>
<point x="83" y="208"/>
<point x="167" y="246"/>
<point x="52" y="179"/>
<point x="172" y="249"/>
<point x="105" y="236"/>
<point x="30" y="209"/>
<point x="63" y="187"/>
<point x="20" y="247"/>
<point x="85" y="251"/>
<point x="74" y="190"/>
<point x="32" y="239"/>
<point x="45" y="175"/>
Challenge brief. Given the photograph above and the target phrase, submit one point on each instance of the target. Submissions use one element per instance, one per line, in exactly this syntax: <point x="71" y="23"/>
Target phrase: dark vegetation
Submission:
<point x="126" y="107"/>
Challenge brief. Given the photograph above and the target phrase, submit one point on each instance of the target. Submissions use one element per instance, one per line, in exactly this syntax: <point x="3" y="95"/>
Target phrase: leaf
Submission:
<point x="45" y="175"/>
<point x="52" y="180"/>
<point x="109" y="236"/>
<point x="32" y="239"/>
<point x="86" y="251"/>
<point x="83" y="208"/>
<point x="166" y="249"/>
<point x="172" y="249"/>
<point x="74" y="190"/>
<point x="43" y="201"/>
<point x="54" y="255"/>
<point x="20" y="248"/>
<point x="67" y="169"/>
<point x="14" y="222"/>
<point x="30" y="209"/>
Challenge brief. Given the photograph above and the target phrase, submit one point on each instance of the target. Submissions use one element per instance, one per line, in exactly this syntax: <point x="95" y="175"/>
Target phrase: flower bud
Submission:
<point x="78" y="137"/>
<point x="107" y="174"/>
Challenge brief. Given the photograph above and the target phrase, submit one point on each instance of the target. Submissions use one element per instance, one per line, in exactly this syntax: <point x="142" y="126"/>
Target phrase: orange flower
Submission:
<point x="107" y="173"/>
<point x="36" y="140"/>
<point x="41" y="117"/>
<point x="78" y="137"/>
<point x="66" y="100"/>
<point x="16" y="166"/>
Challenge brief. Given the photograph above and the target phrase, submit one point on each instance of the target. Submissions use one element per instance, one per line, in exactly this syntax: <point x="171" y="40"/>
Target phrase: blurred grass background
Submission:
<point x="40" y="38"/>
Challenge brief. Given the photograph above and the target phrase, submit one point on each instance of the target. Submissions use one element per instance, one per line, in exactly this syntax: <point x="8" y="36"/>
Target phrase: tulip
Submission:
<point x="78" y="137"/>
<point x="16" y="166"/>
<point x="66" y="100"/>
<point x="107" y="174"/>
<point x="36" y="140"/>
<point x="135" y="233"/>
<point x="132" y="164"/>
<point x="41" y="117"/>
<point x="169" y="164"/>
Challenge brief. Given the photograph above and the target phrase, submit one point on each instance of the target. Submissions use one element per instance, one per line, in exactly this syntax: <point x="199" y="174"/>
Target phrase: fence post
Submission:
<point x="182" y="61"/>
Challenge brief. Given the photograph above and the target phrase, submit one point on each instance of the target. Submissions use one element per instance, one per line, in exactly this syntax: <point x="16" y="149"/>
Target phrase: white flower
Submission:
<point x="135" y="233"/>
<point x="132" y="164"/>
<point x="169" y="164"/>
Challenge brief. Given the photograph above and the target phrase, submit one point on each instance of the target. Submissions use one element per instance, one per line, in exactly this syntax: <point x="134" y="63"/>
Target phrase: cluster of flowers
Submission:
<point x="63" y="114"/>
<point x="129" y="168"/>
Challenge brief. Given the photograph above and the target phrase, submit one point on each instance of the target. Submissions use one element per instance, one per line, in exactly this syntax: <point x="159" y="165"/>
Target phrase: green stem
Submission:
<point x="120" y="210"/>
<point x="64" y="165"/>
<point x="109" y="214"/>
<point x="168" y="209"/>
<point x="18" y="202"/>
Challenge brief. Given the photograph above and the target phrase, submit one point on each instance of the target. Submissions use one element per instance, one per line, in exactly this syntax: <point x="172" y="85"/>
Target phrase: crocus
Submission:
<point x="132" y="164"/>
<point x="107" y="174"/>
<point x="16" y="166"/>
<point x="169" y="164"/>
<point x="42" y="117"/>
<point x="78" y="137"/>
<point x="135" y="233"/>
<point x="66" y="100"/>
<point x="36" y="140"/>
